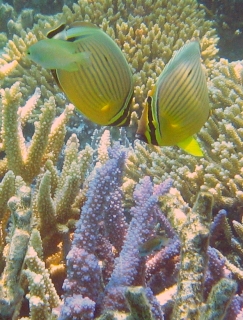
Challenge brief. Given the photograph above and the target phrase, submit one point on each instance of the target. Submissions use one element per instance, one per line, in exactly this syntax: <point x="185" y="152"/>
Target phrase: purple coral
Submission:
<point x="101" y="214"/>
<point x="98" y="197"/>
<point x="129" y="266"/>
<point x="217" y="227"/>
<point x="76" y="306"/>
<point x="163" y="258"/>
<point x="83" y="271"/>
<point x="115" y="224"/>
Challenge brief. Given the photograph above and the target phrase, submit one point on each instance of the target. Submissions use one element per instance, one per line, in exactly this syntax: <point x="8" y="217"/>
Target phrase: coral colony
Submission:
<point x="78" y="201"/>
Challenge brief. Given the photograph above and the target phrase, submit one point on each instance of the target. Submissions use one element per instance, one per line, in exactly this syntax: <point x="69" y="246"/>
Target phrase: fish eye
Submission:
<point x="28" y="52"/>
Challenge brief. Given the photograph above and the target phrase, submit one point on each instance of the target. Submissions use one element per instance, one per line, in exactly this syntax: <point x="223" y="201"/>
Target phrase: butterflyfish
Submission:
<point x="178" y="105"/>
<point x="101" y="87"/>
<point x="155" y="243"/>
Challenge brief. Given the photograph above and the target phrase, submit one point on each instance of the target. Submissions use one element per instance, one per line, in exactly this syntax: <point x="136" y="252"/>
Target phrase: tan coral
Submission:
<point x="7" y="190"/>
<point x="23" y="160"/>
<point x="11" y="292"/>
<point x="42" y="294"/>
<point x="195" y="239"/>
<point x="7" y="68"/>
<point x="51" y="206"/>
<point x="105" y="143"/>
<point x="55" y="203"/>
<point x="219" y="300"/>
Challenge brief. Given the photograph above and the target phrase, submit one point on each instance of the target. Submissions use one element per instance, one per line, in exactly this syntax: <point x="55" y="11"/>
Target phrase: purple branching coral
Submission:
<point x="83" y="270"/>
<point x="215" y="271"/>
<point x="105" y="267"/>
<point x="130" y="266"/>
<point x="220" y="227"/>
<point x="101" y="234"/>
<point x="106" y="273"/>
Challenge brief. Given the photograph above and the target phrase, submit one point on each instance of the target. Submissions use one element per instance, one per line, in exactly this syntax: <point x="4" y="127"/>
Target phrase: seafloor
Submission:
<point x="78" y="200"/>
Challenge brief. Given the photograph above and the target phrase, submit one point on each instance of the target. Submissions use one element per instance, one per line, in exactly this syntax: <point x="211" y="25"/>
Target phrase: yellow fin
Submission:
<point x="190" y="145"/>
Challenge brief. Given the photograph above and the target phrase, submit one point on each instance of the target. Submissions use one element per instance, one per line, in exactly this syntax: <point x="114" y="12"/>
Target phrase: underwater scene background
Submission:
<point x="95" y="224"/>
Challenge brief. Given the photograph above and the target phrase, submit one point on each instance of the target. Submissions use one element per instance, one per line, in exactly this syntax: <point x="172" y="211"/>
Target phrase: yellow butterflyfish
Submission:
<point x="91" y="70"/>
<point x="179" y="105"/>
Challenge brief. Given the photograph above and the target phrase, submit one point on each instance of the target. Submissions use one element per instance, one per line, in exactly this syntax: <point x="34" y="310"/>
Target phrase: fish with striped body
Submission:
<point x="101" y="88"/>
<point x="179" y="105"/>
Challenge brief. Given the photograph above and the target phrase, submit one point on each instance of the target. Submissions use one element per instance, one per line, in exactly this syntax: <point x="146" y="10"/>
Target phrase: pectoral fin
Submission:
<point x="80" y="59"/>
<point x="83" y="58"/>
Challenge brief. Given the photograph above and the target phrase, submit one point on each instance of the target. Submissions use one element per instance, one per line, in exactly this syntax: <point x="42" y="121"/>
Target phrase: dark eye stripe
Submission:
<point x="150" y="122"/>
<point x="52" y="33"/>
<point x="179" y="105"/>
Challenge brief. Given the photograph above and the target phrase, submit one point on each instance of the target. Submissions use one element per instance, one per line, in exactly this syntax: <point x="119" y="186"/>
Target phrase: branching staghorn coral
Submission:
<point x="148" y="33"/>
<point x="129" y="266"/>
<point x="26" y="213"/>
<point x="42" y="294"/>
<point x="46" y="142"/>
<point x="56" y="199"/>
<point x="81" y="259"/>
<point x="195" y="239"/>
<point x="11" y="292"/>
<point x="54" y="190"/>
<point x="7" y="190"/>
<point x="89" y="234"/>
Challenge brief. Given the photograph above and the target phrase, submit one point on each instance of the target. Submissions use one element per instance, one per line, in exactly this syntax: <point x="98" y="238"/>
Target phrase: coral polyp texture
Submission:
<point x="77" y="201"/>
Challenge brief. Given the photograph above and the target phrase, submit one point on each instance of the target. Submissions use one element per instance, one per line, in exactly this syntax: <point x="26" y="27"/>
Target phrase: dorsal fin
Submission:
<point x="52" y="31"/>
<point x="82" y="24"/>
